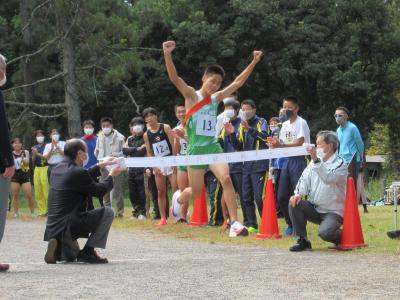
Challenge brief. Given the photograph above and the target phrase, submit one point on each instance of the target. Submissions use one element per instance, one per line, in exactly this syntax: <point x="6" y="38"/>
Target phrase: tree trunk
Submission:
<point x="27" y="46"/>
<point x="65" y="16"/>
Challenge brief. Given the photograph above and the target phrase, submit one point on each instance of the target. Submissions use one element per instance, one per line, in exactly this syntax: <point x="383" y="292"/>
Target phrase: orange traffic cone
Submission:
<point x="352" y="236"/>
<point x="269" y="221"/>
<point x="200" y="216"/>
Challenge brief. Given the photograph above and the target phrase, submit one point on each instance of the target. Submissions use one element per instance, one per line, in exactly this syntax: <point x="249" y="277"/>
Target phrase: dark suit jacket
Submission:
<point x="6" y="157"/>
<point x="70" y="185"/>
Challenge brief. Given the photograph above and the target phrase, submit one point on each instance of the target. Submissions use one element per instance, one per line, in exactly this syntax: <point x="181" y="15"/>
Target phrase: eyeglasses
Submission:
<point x="338" y="115"/>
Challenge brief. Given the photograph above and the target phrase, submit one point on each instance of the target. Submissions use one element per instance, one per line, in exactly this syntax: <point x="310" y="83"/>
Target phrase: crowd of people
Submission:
<point x="70" y="177"/>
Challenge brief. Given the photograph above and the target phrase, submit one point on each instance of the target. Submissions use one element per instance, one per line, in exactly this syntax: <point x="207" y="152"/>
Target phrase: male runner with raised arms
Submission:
<point x="200" y="128"/>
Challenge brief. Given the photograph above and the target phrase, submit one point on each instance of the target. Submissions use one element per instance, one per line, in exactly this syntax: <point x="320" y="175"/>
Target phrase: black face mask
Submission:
<point x="286" y="115"/>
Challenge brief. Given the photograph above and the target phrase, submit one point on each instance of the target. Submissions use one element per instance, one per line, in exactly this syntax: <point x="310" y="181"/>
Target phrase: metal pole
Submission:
<point x="395" y="206"/>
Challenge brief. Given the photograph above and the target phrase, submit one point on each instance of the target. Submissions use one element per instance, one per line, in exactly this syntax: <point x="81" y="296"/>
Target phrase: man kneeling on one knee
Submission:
<point x="68" y="217"/>
<point x="320" y="193"/>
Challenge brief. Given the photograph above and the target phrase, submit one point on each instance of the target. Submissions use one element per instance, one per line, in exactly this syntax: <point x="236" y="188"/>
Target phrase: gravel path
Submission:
<point x="144" y="265"/>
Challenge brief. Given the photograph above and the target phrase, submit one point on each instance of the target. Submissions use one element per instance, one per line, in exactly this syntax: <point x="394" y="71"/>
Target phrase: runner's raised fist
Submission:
<point x="168" y="46"/>
<point x="257" y="55"/>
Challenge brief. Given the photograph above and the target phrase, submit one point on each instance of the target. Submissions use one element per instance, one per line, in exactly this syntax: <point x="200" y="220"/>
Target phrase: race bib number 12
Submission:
<point x="161" y="148"/>
<point x="206" y="125"/>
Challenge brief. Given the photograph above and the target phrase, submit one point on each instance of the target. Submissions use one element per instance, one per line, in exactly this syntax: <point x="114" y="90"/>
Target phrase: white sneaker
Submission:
<point x="141" y="217"/>
<point x="237" y="229"/>
<point x="175" y="210"/>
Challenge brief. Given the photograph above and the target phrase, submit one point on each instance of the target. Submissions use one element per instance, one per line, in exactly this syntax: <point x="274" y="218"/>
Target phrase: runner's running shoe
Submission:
<point x="238" y="229"/>
<point x="175" y="210"/>
<point x="162" y="222"/>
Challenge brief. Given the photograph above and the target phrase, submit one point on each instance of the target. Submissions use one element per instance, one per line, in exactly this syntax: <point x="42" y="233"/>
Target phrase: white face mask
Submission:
<point x="229" y="113"/>
<point x="107" y="130"/>
<point x="55" y="137"/>
<point x="88" y="131"/>
<point x="3" y="81"/>
<point x="320" y="152"/>
<point x="137" y="128"/>
<point x="40" y="139"/>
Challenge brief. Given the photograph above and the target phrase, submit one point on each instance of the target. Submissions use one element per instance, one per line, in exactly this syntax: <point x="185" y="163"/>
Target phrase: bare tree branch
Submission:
<point x="38" y="105"/>
<point x="48" y="116"/>
<point x="94" y="86"/>
<point x="44" y="47"/>
<point x="131" y="97"/>
<point x="36" y="82"/>
<point x="34" y="11"/>
<point x="19" y="119"/>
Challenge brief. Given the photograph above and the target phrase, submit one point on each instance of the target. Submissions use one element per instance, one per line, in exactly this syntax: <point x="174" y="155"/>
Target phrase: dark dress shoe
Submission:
<point x="395" y="234"/>
<point x="4" y="267"/>
<point x="91" y="257"/>
<point x="302" y="244"/>
<point x="51" y="256"/>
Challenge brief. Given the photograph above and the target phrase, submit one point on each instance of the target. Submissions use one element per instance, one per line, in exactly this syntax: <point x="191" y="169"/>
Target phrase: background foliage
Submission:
<point x="329" y="53"/>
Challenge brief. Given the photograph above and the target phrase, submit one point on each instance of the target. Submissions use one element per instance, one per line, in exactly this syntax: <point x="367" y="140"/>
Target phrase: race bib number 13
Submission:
<point x="161" y="148"/>
<point x="206" y="125"/>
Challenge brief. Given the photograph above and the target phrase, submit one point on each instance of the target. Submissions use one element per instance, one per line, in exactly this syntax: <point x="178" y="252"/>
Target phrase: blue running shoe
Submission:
<point x="288" y="231"/>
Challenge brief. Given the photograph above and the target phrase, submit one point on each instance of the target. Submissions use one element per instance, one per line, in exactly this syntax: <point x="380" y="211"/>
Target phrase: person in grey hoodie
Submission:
<point x="319" y="196"/>
<point x="109" y="143"/>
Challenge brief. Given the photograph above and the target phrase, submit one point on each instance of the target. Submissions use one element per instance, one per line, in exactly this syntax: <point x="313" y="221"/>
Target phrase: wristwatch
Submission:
<point x="316" y="160"/>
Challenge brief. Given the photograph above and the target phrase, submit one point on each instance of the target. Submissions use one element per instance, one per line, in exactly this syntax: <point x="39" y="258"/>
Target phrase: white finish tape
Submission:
<point x="209" y="159"/>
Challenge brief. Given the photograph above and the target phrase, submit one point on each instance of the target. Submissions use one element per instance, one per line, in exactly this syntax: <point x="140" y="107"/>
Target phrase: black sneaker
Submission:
<point x="181" y="221"/>
<point x="395" y="234"/>
<point x="91" y="257"/>
<point x="51" y="253"/>
<point x="302" y="244"/>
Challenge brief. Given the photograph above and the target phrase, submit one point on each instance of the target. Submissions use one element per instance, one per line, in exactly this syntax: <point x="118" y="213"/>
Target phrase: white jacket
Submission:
<point x="116" y="144"/>
<point x="325" y="185"/>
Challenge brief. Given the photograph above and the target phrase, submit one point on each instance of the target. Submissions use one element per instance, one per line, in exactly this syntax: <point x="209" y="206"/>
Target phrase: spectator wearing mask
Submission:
<point x="90" y="140"/>
<point x="276" y="164"/>
<point x="350" y="141"/>
<point x="21" y="178"/>
<point x="295" y="132"/>
<point x="40" y="179"/>
<point x="319" y="196"/>
<point x="109" y="143"/>
<point x="135" y="147"/>
<point x="231" y="124"/>
<point x="252" y="135"/>
<point x="54" y="151"/>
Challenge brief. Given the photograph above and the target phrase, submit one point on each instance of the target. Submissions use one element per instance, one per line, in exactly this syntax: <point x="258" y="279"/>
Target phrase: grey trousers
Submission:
<point x="97" y="239"/>
<point x="4" y="193"/>
<point x="329" y="229"/>
<point x="115" y="194"/>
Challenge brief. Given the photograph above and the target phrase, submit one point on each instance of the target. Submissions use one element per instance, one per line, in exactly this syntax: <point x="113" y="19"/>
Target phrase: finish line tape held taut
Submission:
<point x="209" y="159"/>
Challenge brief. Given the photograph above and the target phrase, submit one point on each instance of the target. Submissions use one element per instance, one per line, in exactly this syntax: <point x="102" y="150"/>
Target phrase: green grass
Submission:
<point x="375" y="224"/>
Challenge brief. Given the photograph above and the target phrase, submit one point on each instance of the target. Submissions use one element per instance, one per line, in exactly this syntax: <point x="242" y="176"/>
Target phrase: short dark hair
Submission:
<point x="234" y="103"/>
<point x="292" y="98"/>
<point x="72" y="148"/>
<point x="136" y="120"/>
<point x="214" y="69"/>
<point x="54" y="130"/>
<point x="106" y="119"/>
<point x="15" y="140"/>
<point x="178" y="105"/>
<point x="149" y="110"/>
<point x="88" y="122"/>
<point x="249" y="102"/>
<point x="344" y="109"/>
<point x="274" y="119"/>
<point x="39" y="131"/>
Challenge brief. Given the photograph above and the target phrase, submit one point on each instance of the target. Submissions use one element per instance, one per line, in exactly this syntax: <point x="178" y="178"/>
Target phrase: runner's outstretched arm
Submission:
<point x="241" y="79"/>
<point x="187" y="91"/>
